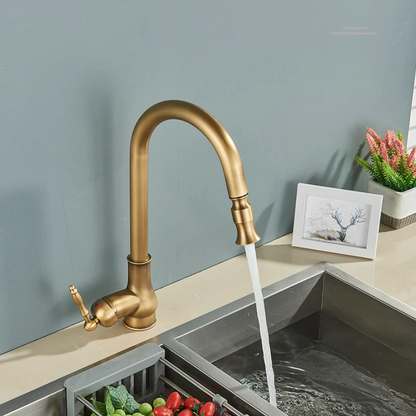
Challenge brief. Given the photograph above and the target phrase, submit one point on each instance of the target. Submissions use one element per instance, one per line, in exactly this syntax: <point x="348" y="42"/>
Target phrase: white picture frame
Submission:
<point x="337" y="220"/>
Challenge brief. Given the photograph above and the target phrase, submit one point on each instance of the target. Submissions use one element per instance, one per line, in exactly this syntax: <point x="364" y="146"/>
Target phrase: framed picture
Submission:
<point x="336" y="220"/>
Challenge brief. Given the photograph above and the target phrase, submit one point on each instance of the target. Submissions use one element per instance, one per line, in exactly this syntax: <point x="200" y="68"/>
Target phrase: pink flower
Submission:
<point x="411" y="158"/>
<point x="374" y="135"/>
<point x="399" y="146"/>
<point x="389" y="139"/>
<point x="371" y="144"/>
<point x="383" y="152"/>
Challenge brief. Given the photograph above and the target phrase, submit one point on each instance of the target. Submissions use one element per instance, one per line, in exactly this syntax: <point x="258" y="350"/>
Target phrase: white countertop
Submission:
<point x="59" y="354"/>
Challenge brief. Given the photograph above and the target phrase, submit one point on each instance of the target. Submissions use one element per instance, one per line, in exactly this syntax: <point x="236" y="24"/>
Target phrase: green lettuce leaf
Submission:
<point x="108" y="404"/>
<point x="131" y="405"/>
<point x="101" y="407"/>
<point x="118" y="396"/>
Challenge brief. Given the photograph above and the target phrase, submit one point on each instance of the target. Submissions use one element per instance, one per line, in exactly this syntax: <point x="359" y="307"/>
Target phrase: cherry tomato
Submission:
<point x="192" y="403"/>
<point x="182" y="404"/>
<point x="162" y="411"/>
<point x="186" y="412"/>
<point x="208" y="409"/>
<point x="173" y="401"/>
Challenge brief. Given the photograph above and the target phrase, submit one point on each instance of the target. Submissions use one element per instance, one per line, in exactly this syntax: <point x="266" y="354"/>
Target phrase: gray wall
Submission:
<point x="76" y="75"/>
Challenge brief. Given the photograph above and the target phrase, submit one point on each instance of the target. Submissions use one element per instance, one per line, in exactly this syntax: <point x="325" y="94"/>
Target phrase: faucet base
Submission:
<point x="140" y="324"/>
<point x="140" y="284"/>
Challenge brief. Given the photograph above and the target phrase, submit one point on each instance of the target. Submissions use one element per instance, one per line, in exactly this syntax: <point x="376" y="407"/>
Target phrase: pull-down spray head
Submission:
<point x="244" y="221"/>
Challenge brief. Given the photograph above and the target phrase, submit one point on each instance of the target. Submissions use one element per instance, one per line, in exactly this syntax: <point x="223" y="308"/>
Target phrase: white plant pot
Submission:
<point x="399" y="208"/>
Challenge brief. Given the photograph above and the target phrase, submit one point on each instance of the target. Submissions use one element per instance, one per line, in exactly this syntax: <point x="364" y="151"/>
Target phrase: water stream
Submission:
<point x="261" y="314"/>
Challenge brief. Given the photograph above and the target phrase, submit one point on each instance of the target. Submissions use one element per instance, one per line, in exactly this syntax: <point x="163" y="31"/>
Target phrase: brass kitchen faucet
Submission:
<point x="137" y="303"/>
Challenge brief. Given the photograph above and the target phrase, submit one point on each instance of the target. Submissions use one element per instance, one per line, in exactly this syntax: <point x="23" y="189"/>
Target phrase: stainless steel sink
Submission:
<point x="366" y="326"/>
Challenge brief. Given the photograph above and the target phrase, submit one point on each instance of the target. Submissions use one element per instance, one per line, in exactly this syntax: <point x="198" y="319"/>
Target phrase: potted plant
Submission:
<point x="393" y="175"/>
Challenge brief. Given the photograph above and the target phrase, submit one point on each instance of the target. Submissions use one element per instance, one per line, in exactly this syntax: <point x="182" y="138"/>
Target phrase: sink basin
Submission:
<point x="319" y="310"/>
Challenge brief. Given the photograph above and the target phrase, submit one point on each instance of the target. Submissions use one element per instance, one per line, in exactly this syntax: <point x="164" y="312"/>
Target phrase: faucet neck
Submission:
<point x="139" y="156"/>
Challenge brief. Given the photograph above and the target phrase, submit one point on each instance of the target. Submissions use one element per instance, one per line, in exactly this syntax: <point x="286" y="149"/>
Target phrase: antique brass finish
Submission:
<point x="139" y="282"/>
<point x="137" y="303"/>
<point x="90" y="323"/>
<point x="243" y="219"/>
<point x="139" y="157"/>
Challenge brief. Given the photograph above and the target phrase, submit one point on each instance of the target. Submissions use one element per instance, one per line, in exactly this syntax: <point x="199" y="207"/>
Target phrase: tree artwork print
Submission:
<point x="336" y="221"/>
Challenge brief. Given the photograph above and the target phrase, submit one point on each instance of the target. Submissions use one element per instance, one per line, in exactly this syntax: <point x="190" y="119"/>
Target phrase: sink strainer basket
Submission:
<point x="142" y="371"/>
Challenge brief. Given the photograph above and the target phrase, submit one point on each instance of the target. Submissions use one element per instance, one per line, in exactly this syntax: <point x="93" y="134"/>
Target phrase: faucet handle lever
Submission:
<point x="90" y="322"/>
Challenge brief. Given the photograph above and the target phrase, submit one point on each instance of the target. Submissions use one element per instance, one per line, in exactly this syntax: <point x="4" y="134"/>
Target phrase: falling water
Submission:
<point x="261" y="314"/>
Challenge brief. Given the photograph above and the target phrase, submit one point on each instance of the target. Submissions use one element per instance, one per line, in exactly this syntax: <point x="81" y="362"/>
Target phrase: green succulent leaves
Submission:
<point x="381" y="172"/>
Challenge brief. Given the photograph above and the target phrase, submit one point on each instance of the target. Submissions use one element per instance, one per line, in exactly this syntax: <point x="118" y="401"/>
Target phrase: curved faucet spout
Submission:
<point x="214" y="132"/>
